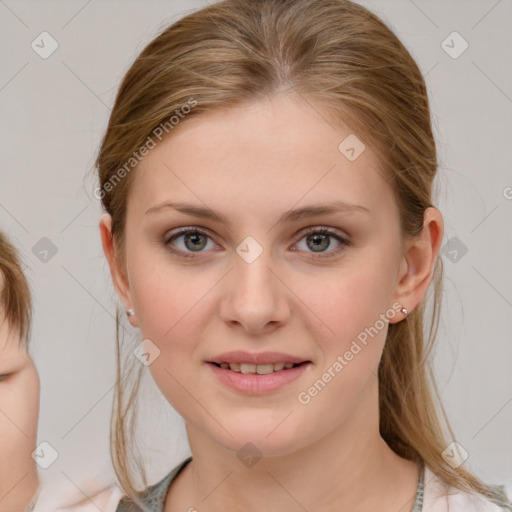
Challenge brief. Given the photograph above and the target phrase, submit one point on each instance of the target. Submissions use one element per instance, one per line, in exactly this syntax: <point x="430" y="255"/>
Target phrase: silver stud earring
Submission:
<point x="130" y="312"/>
<point x="404" y="311"/>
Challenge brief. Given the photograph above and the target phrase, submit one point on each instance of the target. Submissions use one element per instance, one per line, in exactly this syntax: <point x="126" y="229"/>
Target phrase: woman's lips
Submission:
<point x="257" y="384"/>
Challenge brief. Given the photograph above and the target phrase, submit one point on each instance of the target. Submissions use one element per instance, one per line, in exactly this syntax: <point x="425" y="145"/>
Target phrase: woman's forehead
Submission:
<point x="259" y="153"/>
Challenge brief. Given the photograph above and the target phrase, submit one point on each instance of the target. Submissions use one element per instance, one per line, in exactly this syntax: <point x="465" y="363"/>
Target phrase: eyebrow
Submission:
<point x="289" y="216"/>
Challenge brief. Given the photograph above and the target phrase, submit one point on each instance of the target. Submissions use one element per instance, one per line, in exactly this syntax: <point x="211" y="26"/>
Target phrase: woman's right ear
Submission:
<point x="119" y="278"/>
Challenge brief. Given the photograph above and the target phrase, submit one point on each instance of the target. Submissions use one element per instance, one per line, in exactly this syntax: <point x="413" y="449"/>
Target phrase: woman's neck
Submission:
<point x="351" y="469"/>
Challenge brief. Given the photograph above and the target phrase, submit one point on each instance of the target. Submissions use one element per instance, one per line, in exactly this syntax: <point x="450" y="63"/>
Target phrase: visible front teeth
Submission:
<point x="260" y="369"/>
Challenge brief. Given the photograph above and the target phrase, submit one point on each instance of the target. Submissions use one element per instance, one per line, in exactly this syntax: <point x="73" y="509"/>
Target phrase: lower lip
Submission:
<point x="256" y="384"/>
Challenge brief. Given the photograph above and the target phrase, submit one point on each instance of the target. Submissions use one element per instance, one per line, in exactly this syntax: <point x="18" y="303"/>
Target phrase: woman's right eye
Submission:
<point x="193" y="240"/>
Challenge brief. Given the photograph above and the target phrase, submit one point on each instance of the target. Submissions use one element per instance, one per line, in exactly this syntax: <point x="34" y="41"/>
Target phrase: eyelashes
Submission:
<point x="320" y="235"/>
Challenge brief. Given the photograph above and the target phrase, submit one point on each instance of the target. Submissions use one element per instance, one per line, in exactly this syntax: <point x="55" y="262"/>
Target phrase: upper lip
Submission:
<point x="239" y="356"/>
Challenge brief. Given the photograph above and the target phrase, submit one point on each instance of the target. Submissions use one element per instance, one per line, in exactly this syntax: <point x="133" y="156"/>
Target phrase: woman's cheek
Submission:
<point x="350" y="300"/>
<point x="160" y="296"/>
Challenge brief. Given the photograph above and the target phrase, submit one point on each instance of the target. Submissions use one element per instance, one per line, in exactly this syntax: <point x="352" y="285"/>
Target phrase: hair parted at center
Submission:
<point x="339" y="55"/>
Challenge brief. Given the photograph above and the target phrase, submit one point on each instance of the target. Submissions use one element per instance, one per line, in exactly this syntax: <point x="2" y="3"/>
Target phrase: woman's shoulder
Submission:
<point x="153" y="498"/>
<point x="440" y="497"/>
<point x="105" y="500"/>
<point x="112" y="498"/>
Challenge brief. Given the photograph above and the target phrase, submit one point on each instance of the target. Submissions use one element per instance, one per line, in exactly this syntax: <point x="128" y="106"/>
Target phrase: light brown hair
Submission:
<point x="15" y="297"/>
<point x="337" y="54"/>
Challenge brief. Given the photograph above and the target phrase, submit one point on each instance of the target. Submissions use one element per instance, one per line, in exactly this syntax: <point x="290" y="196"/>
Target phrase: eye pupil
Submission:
<point x="320" y="241"/>
<point x="194" y="238"/>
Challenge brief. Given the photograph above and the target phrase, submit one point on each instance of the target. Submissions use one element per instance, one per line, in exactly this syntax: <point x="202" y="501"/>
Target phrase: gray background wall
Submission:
<point x="53" y="112"/>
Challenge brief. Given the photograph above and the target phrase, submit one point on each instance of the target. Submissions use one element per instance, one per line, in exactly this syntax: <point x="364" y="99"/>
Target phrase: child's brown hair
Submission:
<point x="15" y="296"/>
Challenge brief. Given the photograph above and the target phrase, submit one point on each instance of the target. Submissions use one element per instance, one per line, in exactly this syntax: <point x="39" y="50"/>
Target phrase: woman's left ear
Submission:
<point x="418" y="260"/>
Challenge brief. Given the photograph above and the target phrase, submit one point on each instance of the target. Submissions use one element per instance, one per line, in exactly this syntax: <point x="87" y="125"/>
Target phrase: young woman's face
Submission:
<point x="19" y="411"/>
<point x="258" y="281"/>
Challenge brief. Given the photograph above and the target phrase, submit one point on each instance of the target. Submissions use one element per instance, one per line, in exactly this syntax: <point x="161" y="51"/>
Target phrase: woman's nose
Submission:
<point x="255" y="297"/>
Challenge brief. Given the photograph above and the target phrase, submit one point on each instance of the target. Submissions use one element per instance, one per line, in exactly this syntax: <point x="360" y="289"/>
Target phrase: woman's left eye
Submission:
<point x="195" y="240"/>
<point x="319" y="238"/>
